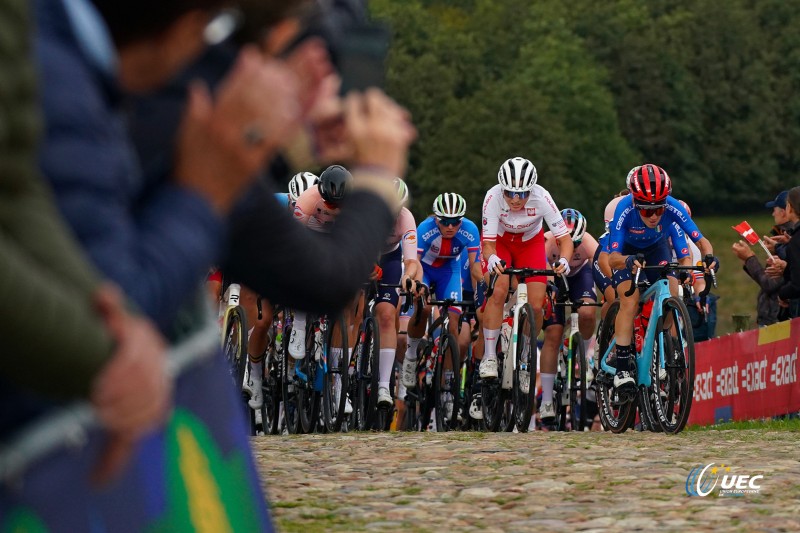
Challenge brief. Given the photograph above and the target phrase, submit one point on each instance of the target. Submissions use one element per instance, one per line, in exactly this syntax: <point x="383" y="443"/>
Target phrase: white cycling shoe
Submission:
<point x="409" y="372"/>
<point x="297" y="347"/>
<point x="488" y="368"/>
<point x="384" y="396"/>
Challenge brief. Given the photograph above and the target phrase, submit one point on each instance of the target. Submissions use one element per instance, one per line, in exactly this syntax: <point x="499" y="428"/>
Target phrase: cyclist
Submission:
<point x="513" y="212"/>
<point x="398" y="263"/>
<point x="639" y="226"/>
<point x="300" y="183"/>
<point x="443" y="237"/>
<point x="317" y="208"/>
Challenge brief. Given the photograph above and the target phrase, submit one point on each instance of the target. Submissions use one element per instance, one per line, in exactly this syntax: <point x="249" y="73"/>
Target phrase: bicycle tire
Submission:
<point x="679" y="383"/>
<point x="291" y="411"/>
<point x="493" y="396"/>
<point x="234" y="344"/>
<point x="366" y="400"/>
<point x="271" y="387"/>
<point x="308" y="397"/>
<point x="524" y="402"/>
<point x="615" y="416"/>
<point x="448" y="350"/>
<point x="335" y="382"/>
<point x="577" y="395"/>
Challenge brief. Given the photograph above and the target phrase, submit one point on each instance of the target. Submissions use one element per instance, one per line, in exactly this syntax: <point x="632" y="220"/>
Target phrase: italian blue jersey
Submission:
<point x="627" y="230"/>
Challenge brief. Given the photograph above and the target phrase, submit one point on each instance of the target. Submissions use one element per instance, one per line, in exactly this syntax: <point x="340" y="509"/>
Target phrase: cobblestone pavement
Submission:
<point x="526" y="482"/>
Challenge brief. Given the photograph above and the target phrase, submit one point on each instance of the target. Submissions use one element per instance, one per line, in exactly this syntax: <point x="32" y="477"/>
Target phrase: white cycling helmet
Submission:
<point x="402" y="190"/>
<point x="300" y="182"/>
<point x="449" y="205"/>
<point x="517" y="175"/>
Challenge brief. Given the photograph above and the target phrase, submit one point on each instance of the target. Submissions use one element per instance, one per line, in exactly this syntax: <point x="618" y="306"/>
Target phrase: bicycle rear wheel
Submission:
<point x="525" y="372"/>
<point x="270" y="409"/>
<point x="447" y="385"/>
<point x="335" y="382"/>
<point x="308" y="395"/>
<point x="674" y="401"/>
<point x="367" y="374"/>
<point x="577" y="395"/>
<point x="615" y="415"/>
<point x="234" y="344"/>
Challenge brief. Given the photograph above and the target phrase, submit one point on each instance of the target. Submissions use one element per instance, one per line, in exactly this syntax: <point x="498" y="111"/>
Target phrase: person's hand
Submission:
<point x="770" y="243"/>
<point x="561" y="267"/>
<point x="631" y="262"/>
<point x="326" y="121"/>
<point x="379" y="130"/>
<point x="775" y="267"/>
<point x="783" y="238"/>
<point x="223" y="143"/>
<point x="311" y="66"/>
<point x="132" y="393"/>
<point x="495" y="264"/>
<point x="782" y="302"/>
<point x="742" y="250"/>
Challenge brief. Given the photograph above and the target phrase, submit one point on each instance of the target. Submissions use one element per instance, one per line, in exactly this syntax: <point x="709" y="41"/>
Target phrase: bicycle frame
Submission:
<point x="660" y="292"/>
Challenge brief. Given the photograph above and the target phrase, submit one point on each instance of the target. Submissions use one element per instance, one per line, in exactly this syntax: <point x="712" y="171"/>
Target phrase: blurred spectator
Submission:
<point x="158" y="237"/>
<point x="767" y="300"/>
<point x="789" y="293"/>
<point x="65" y="335"/>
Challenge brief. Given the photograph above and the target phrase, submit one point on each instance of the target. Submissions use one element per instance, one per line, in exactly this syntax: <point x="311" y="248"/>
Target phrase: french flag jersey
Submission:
<point x="627" y="227"/>
<point x="438" y="252"/>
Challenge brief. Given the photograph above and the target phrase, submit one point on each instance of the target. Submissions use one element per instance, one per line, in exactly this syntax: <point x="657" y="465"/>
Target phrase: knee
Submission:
<point x="386" y="319"/>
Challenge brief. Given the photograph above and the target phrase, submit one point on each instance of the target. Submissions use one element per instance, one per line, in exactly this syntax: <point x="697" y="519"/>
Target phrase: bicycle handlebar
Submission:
<point x="521" y="273"/>
<point x="673" y="266"/>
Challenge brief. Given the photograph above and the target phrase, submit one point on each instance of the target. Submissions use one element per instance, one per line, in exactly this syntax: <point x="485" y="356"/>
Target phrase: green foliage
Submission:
<point x="587" y="90"/>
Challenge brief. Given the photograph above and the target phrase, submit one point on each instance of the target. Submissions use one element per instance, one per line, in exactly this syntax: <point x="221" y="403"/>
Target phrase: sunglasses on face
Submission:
<point x="647" y="212"/>
<point x="444" y="221"/>
<point x="516" y="194"/>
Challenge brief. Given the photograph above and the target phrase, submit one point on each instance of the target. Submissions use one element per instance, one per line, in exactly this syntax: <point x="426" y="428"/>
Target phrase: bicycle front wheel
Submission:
<point x="447" y="383"/>
<point x="524" y="389"/>
<point x="577" y="393"/>
<point x="615" y="415"/>
<point x="335" y="382"/>
<point x="674" y="399"/>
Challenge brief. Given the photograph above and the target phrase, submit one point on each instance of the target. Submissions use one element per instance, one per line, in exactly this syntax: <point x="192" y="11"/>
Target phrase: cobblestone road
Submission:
<point x="531" y="482"/>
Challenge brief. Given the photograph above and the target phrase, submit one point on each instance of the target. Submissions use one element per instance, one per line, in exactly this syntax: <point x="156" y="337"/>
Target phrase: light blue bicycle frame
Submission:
<point x="659" y="291"/>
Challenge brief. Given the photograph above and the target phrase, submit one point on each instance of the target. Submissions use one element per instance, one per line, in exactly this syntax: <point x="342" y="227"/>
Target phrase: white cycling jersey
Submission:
<point x="499" y="219"/>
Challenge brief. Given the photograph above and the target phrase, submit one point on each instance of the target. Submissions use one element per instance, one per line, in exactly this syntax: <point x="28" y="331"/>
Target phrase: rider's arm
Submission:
<point x="475" y="266"/>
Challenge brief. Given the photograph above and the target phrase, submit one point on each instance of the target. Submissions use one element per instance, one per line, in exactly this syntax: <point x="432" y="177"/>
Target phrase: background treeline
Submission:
<point x="708" y="89"/>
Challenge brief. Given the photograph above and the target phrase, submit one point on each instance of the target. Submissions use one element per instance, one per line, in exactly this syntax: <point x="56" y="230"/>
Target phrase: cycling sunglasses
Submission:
<point x="516" y="194"/>
<point x="449" y="221"/>
<point x="647" y="212"/>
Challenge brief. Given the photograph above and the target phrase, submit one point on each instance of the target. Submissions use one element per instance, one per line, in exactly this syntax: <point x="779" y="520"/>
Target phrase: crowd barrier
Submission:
<point x="747" y="375"/>
<point x="197" y="474"/>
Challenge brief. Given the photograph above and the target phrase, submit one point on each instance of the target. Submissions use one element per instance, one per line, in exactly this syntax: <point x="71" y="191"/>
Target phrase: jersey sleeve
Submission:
<point x="618" y="225"/>
<point x="678" y="238"/>
<point x="423" y="237"/>
<point x="490" y="215"/>
<point x="552" y="216"/>
<point x="677" y="212"/>
<point x="408" y="232"/>
<point x="472" y="234"/>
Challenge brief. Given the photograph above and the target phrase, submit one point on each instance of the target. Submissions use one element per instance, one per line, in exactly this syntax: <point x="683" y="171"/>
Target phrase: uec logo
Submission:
<point x="702" y="480"/>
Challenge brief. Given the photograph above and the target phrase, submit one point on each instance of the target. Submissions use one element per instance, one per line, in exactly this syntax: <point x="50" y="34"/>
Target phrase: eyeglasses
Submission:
<point x="449" y="221"/>
<point x="516" y="194"/>
<point x="647" y="212"/>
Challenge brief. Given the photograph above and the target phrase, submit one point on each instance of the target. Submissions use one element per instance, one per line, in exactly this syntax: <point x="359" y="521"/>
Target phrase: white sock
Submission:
<point x="387" y="366"/>
<point x="490" y="345"/>
<point x="411" y="349"/>
<point x="547" y="387"/>
<point x="336" y="355"/>
<point x="586" y="343"/>
<point x="257" y="370"/>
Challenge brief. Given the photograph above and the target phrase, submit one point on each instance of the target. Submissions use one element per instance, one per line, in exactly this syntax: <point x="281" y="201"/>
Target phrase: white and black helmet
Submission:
<point x="517" y="175"/>
<point x="402" y="190"/>
<point x="300" y="182"/>
<point x="449" y="205"/>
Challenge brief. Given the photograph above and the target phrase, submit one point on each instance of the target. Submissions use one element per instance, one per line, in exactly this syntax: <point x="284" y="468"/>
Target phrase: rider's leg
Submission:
<point x="549" y="366"/>
<point x="385" y="313"/>
<point x="623" y="328"/>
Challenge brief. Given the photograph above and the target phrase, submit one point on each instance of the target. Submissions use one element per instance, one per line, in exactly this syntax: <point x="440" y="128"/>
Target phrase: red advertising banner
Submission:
<point x="747" y="375"/>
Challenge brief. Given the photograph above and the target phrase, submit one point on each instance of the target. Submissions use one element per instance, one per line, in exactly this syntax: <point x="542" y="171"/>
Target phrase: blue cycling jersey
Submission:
<point x="437" y="252"/>
<point x="628" y="229"/>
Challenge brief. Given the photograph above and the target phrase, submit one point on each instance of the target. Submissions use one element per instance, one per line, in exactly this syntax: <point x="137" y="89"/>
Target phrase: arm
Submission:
<point x="791" y="289"/>
<point x="286" y="263"/>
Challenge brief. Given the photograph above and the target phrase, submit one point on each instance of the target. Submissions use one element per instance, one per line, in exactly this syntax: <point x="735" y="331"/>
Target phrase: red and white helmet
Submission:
<point x="650" y="185"/>
<point x="517" y="175"/>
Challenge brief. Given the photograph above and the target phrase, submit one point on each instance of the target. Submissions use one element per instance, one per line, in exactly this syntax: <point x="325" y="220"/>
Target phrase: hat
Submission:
<point x="779" y="201"/>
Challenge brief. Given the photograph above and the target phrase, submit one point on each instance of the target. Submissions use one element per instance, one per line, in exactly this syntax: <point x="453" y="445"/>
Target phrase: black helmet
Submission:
<point x="333" y="183"/>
